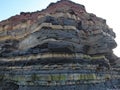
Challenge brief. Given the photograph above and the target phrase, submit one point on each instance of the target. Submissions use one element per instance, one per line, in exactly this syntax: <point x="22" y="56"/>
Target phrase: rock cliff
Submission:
<point x="59" y="47"/>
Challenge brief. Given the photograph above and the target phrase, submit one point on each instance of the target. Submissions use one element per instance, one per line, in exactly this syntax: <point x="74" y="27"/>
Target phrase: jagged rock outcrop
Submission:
<point x="61" y="46"/>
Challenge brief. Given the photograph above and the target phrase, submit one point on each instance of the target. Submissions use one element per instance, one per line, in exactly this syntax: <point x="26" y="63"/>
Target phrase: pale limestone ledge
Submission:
<point x="1" y="28"/>
<point x="70" y="66"/>
<point x="18" y="26"/>
<point x="54" y="27"/>
<point x="49" y="25"/>
<point x="4" y="28"/>
<point x="52" y="55"/>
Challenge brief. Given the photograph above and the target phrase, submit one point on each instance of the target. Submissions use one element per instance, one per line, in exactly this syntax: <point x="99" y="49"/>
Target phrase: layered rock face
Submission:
<point x="61" y="47"/>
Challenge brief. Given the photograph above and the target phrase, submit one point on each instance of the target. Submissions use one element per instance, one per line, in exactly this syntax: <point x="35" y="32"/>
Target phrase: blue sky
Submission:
<point x="107" y="9"/>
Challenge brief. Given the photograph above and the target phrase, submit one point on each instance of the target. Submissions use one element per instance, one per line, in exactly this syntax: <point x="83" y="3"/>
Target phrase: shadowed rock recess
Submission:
<point x="59" y="48"/>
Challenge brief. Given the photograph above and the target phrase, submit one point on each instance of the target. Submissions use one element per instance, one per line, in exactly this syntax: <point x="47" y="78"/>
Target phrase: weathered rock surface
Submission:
<point x="61" y="46"/>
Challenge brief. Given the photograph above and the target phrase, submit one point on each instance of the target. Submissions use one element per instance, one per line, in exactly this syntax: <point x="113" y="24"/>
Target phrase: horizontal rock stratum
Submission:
<point x="61" y="47"/>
